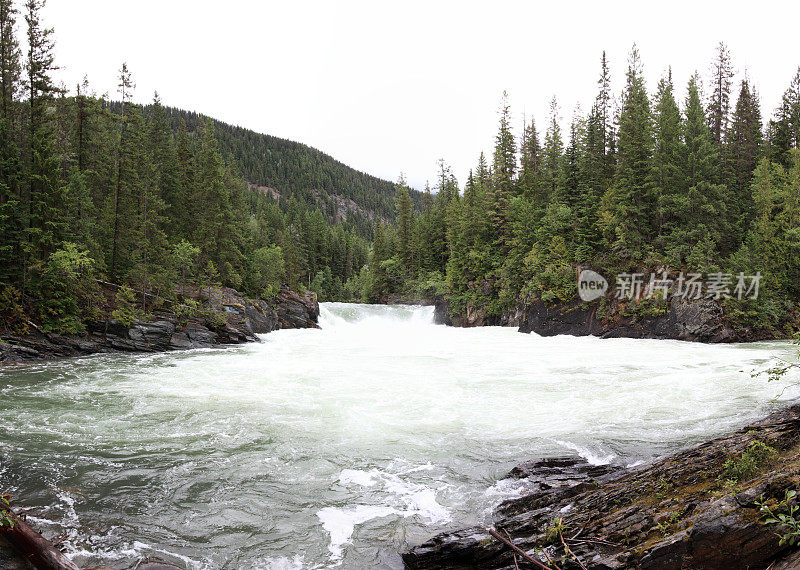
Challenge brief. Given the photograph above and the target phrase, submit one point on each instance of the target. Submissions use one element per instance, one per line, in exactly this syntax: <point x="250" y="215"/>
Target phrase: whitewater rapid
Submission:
<point x="338" y="447"/>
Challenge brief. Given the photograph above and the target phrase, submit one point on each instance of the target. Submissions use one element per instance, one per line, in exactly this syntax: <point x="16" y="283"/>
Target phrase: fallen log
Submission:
<point x="32" y="545"/>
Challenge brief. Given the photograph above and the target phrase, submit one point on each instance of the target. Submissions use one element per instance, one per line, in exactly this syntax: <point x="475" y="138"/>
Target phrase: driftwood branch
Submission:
<point x="517" y="549"/>
<point x="34" y="547"/>
<point x="514" y="554"/>
<point x="569" y="554"/>
<point x="594" y="541"/>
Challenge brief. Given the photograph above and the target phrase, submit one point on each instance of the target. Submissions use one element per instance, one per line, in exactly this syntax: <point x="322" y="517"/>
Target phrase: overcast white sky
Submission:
<point x="390" y="87"/>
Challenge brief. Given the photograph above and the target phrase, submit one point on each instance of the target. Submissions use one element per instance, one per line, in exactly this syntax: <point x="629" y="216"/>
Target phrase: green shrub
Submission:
<point x="126" y="311"/>
<point x="750" y="463"/>
<point x="185" y="310"/>
<point x="549" y="276"/>
<point x="214" y="319"/>
<point x="7" y="520"/>
<point x="268" y="271"/>
<point x="68" y="289"/>
<point x="783" y="514"/>
<point x="12" y="311"/>
<point x="184" y="258"/>
<point x="651" y="308"/>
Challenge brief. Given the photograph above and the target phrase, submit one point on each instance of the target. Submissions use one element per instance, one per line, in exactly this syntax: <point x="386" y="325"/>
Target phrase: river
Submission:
<point x="340" y="446"/>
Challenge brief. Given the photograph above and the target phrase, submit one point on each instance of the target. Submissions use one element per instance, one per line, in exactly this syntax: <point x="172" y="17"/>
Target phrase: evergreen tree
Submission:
<point x="604" y="123"/>
<point x="706" y="198"/>
<point x="12" y="221"/>
<point x="529" y="182"/>
<point x="633" y="201"/>
<point x="743" y="152"/>
<point x="553" y="153"/>
<point x="672" y="200"/>
<point x="719" y="104"/>
<point x="44" y="223"/>
<point x="404" y="227"/>
<point x="784" y="129"/>
<point x="164" y="161"/>
<point x="504" y="171"/>
<point x="124" y="167"/>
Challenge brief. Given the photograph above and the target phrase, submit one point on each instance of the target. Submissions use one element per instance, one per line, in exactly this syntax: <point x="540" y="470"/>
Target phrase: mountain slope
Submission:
<point x="295" y="169"/>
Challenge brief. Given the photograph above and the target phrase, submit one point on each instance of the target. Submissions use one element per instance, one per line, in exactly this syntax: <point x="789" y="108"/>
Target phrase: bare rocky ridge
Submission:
<point x="244" y="318"/>
<point x="678" y="512"/>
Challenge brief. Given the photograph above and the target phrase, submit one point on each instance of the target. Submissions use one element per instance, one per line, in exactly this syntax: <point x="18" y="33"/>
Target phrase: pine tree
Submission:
<point x="217" y="231"/>
<point x="743" y="153"/>
<point x="672" y="201"/>
<point x="707" y="213"/>
<point x="124" y="166"/>
<point x="164" y="160"/>
<point x="719" y="104"/>
<point x="604" y="124"/>
<point x="187" y="206"/>
<point x="9" y="60"/>
<point x="503" y="173"/>
<point x="553" y="153"/>
<point x="148" y="243"/>
<point x="404" y="227"/>
<point x="12" y="222"/>
<point x="44" y="225"/>
<point x="573" y="186"/>
<point x="633" y="194"/>
<point x="784" y="129"/>
<point x="529" y="182"/>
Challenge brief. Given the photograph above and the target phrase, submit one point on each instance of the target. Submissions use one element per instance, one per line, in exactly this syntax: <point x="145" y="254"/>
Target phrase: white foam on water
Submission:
<point x="341" y="522"/>
<point x="398" y="496"/>
<point x="297" y="562"/>
<point x="358" y="477"/>
<point x="593" y="457"/>
<point x="272" y="450"/>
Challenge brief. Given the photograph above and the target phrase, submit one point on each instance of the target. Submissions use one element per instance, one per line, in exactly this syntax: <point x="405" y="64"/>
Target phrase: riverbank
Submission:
<point x="700" y="320"/>
<point x="226" y="318"/>
<point x="701" y="508"/>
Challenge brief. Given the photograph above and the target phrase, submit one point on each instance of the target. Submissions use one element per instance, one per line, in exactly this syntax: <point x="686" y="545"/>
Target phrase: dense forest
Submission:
<point x="94" y="189"/>
<point x="296" y="170"/>
<point x="674" y="180"/>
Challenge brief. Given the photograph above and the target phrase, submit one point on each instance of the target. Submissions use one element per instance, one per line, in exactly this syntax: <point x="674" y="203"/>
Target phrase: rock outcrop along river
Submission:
<point x="697" y="509"/>
<point x="701" y="320"/>
<point x="243" y="320"/>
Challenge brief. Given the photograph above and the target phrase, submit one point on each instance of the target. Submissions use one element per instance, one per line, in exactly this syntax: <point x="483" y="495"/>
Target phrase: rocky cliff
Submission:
<point x="697" y="509"/>
<point x="472" y="316"/>
<point x="236" y="320"/>
<point x="697" y="320"/>
<point x="700" y="320"/>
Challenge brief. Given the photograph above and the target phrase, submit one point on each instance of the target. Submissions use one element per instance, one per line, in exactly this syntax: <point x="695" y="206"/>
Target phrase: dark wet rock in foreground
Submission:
<point x="682" y="511"/>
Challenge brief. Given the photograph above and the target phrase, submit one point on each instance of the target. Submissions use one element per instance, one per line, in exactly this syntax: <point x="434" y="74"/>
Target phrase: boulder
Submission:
<point x="296" y="311"/>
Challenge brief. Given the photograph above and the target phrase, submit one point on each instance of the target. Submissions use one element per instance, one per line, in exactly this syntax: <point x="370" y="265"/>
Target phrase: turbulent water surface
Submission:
<point x="340" y="446"/>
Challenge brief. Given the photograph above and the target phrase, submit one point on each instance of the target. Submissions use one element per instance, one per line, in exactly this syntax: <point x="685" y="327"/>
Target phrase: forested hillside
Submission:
<point x="675" y="180"/>
<point x="294" y="169"/>
<point x="683" y="178"/>
<point x="151" y="197"/>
